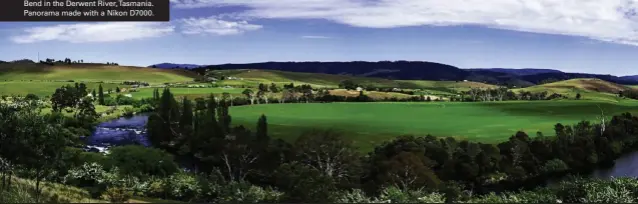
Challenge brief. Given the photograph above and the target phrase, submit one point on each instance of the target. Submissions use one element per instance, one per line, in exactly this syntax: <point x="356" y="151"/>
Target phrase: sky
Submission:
<point x="588" y="36"/>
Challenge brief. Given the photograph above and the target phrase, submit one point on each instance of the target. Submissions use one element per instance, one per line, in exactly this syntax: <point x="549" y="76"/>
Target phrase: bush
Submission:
<point x="391" y="195"/>
<point x="116" y="195"/>
<point x="182" y="186"/>
<point x="142" y="162"/>
<point x="240" y="192"/>
<point x="92" y="177"/>
<point x="32" y="97"/>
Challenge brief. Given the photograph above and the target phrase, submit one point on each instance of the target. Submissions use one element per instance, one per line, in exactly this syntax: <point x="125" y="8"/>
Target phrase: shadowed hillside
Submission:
<point x="383" y="69"/>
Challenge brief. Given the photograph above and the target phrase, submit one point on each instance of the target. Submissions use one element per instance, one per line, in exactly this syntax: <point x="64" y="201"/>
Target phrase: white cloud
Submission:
<point x="93" y="32"/>
<point x="315" y="37"/>
<point x="215" y="26"/>
<point x="607" y="20"/>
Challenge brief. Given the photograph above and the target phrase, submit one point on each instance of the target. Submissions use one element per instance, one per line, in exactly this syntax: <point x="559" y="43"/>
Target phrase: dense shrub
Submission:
<point x="116" y="195"/>
<point x="142" y="162"/>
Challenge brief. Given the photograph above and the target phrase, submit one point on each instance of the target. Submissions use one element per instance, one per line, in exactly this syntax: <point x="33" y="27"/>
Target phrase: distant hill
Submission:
<point x="517" y="72"/>
<point x="178" y="66"/>
<point x="538" y="78"/>
<point x="406" y="70"/>
<point x="418" y="70"/>
<point x="630" y="78"/>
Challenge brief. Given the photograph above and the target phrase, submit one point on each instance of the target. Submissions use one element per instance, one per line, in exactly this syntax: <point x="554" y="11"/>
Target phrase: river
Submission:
<point x="626" y="166"/>
<point x="132" y="130"/>
<point x="118" y="132"/>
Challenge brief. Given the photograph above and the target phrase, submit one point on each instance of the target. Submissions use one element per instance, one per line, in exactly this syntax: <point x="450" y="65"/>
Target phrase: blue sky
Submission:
<point x="593" y="36"/>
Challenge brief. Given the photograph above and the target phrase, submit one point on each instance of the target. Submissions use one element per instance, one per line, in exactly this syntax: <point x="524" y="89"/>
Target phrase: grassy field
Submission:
<point x="375" y="94"/>
<point x="23" y="191"/>
<point x="590" y="89"/>
<point x="254" y="77"/>
<point x="45" y="88"/>
<point x="189" y="92"/>
<point x="79" y="72"/>
<point x="44" y="79"/>
<point x="370" y="124"/>
<point x="458" y="86"/>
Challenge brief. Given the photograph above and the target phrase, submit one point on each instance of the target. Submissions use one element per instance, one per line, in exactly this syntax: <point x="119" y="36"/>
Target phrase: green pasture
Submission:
<point x="254" y="77"/>
<point x="94" y="73"/>
<point x="370" y="124"/>
<point x="45" y="88"/>
<point x="453" y="85"/>
<point x="189" y="92"/>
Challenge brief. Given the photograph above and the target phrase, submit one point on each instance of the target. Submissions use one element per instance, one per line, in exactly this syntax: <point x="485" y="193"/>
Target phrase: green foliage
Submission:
<point x="182" y="186"/>
<point x="238" y="192"/>
<point x="554" y="165"/>
<point x="100" y="95"/>
<point x="303" y="183"/>
<point x="391" y="195"/>
<point x="142" y="162"/>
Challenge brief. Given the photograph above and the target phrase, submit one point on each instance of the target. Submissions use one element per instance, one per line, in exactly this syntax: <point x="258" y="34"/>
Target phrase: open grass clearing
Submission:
<point x="370" y="124"/>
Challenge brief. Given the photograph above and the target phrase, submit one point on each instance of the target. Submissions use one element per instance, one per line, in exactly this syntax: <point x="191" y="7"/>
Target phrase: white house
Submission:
<point x="359" y="89"/>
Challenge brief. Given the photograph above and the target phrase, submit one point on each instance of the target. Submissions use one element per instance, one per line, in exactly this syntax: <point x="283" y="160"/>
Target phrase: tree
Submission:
<point x="93" y="94"/>
<point x="263" y="92"/>
<point x="262" y="129"/>
<point x="578" y="96"/>
<point x="117" y="89"/>
<point x="428" y="99"/>
<point x="303" y="183"/>
<point x="249" y="95"/>
<point x="227" y="97"/>
<point x="68" y="97"/>
<point x="100" y="95"/>
<point x="348" y="85"/>
<point x="86" y="110"/>
<point x="186" y="118"/>
<point x="274" y="88"/>
<point x="35" y="143"/>
<point x="409" y="170"/>
<point x="329" y="153"/>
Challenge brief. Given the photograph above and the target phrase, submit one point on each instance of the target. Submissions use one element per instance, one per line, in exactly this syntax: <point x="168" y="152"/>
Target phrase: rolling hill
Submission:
<point x="90" y="72"/>
<point x="172" y="66"/>
<point x="517" y="72"/>
<point x="384" y="69"/>
<point x="589" y="89"/>
<point x="417" y="70"/>
<point x="42" y="79"/>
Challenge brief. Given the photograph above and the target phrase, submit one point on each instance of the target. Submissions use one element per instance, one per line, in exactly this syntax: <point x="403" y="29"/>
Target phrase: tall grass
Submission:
<point x="23" y="191"/>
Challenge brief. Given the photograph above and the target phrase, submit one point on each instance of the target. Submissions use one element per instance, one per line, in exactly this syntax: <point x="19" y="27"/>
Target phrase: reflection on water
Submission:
<point x="121" y="131"/>
<point x="626" y="166"/>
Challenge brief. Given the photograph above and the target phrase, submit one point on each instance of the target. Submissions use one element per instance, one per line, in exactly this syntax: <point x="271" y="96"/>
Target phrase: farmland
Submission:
<point x="189" y="92"/>
<point x="590" y="89"/>
<point x="45" y="88"/>
<point x="92" y="73"/>
<point x="370" y="124"/>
